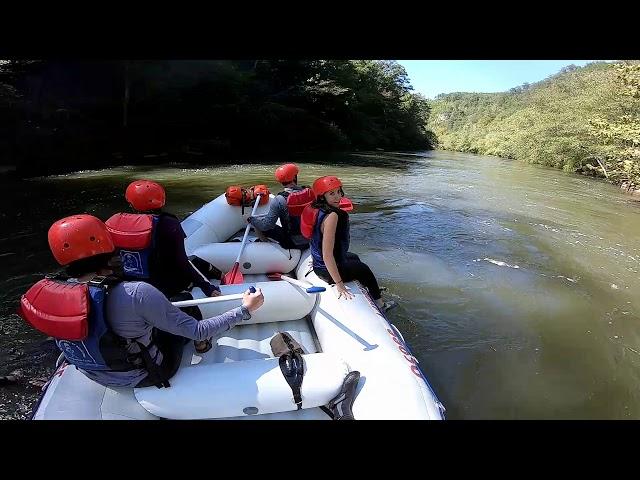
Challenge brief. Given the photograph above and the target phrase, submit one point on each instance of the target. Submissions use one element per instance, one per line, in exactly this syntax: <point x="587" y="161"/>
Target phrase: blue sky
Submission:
<point x="431" y="77"/>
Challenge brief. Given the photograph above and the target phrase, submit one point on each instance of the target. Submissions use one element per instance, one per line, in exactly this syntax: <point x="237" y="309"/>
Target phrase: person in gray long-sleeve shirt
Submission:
<point x="134" y="309"/>
<point x="288" y="236"/>
<point x="150" y="332"/>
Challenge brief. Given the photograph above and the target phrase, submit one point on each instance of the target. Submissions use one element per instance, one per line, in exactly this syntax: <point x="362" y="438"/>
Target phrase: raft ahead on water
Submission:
<point x="239" y="378"/>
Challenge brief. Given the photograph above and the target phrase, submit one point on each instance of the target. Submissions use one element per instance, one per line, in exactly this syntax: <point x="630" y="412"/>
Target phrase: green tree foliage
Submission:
<point x="74" y="112"/>
<point x="621" y="137"/>
<point x="567" y="121"/>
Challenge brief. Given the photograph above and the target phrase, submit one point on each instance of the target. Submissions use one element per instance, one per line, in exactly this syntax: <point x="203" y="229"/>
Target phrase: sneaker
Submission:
<point x="389" y="305"/>
<point x="339" y="408"/>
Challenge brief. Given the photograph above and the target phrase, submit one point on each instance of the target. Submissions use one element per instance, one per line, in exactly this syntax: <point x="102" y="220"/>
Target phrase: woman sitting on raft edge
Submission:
<point x="327" y="227"/>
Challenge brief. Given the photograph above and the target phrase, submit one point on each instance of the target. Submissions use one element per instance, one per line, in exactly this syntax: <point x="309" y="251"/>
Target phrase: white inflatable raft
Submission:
<point x="239" y="378"/>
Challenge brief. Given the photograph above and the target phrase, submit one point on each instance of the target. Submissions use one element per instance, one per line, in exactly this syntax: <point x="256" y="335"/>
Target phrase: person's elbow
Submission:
<point x="200" y="333"/>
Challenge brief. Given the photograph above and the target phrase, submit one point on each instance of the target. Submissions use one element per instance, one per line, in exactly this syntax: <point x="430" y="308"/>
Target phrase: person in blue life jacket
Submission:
<point x="287" y="206"/>
<point x="151" y="246"/>
<point x="118" y="333"/>
<point x="327" y="227"/>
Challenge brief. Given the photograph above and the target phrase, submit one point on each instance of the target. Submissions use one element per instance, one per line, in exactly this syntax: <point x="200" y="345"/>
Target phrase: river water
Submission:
<point x="517" y="284"/>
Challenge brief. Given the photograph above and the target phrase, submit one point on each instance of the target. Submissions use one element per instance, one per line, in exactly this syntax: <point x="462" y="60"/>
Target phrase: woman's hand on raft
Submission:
<point x="343" y="291"/>
<point x="253" y="301"/>
<point x="215" y="293"/>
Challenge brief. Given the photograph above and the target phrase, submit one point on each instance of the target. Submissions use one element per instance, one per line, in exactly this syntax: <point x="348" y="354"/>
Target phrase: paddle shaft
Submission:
<point x="230" y="277"/>
<point x="306" y="286"/>
<point x="201" y="301"/>
<point x="246" y="230"/>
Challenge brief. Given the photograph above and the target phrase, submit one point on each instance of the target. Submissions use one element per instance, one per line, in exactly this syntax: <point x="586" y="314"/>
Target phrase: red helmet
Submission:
<point x="263" y="190"/>
<point x="144" y="195"/>
<point x="287" y="173"/>
<point x="238" y="196"/>
<point x="77" y="237"/>
<point x="324" y="184"/>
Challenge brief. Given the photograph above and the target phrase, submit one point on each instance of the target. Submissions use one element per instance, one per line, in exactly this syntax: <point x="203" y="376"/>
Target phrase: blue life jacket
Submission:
<point x="102" y="349"/>
<point x="74" y="314"/>
<point x="341" y="244"/>
<point x="134" y="235"/>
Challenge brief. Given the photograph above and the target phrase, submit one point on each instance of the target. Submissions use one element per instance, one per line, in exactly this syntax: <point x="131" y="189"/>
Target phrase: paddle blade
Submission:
<point x="316" y="289"/>
<point x="234" y="277"/>
<point x="346" y="204"/>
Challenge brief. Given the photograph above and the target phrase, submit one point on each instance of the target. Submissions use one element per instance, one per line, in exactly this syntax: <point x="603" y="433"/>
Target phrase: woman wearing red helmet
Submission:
<point x="328" y="227"/>
<point x="286" y="206"/>
<point x="151" y="246"/>
<point x="118" y="333"/>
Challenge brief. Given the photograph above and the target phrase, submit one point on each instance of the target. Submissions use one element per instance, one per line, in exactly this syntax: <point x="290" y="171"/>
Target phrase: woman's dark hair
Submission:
<point x="89" y="264"/>
<point x="320" y="202"/>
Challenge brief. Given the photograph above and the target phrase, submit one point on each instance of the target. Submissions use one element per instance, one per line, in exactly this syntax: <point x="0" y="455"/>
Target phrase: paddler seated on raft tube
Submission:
<point x="118" y="333"/>
<point x="151" y="246"/>
<point x="286" y="206"/>
<point x="327" y="226"/>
